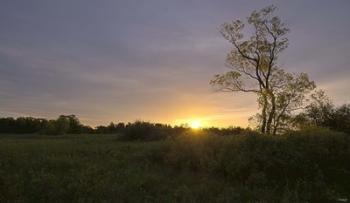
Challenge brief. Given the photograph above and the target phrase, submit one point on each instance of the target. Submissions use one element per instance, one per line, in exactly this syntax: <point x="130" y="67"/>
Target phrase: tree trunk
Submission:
<point x="275" y="128"/>
<point x="277" y="123"/>
<point x="264" y="115"/>
<point x="271" y="114"/>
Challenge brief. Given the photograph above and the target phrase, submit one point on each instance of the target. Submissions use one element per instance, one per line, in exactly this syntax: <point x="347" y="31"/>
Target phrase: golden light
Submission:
<point x="195" y="124"/>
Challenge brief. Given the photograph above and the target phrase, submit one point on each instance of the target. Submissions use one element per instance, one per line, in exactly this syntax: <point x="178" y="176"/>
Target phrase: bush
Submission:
<point x="310" y="165"/>
<point x="326" y="115"/>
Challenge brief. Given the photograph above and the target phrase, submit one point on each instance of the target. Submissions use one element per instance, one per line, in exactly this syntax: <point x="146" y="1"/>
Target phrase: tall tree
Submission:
<point x="254" y="69"/>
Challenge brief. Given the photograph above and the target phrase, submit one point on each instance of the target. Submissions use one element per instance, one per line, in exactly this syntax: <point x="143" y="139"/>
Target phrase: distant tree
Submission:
<point x="63" y="124"/>
<point x="75" y="127"/>
<point x="120" y="127"/>
<point x="111" y="128"/>
<point x="254" y="69"/>
<point x="341" y="119"/>
<point x="321" y="112"/>
<point x="50" y="128"/>
<point x="24" y="125"/>
<point x="87" y="129"/>
<point x="7" y="125"/>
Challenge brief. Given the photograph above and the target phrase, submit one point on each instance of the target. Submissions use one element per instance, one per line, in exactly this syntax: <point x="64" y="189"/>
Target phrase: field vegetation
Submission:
<point x="312" y="165"/>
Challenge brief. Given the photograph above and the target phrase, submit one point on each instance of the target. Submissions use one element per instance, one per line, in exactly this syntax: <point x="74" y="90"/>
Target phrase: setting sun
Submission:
<point x="195" y="124"/>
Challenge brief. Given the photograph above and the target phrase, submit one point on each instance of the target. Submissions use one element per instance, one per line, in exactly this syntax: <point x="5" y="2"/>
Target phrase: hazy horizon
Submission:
<point x="127" y="60"/>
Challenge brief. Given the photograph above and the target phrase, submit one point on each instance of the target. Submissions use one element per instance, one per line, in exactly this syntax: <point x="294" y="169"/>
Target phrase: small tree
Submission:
<point x="321" y="112"/>
<point x="254" y="69"/>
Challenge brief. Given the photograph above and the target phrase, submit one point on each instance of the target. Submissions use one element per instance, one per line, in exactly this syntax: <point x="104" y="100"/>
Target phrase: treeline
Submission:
<point x="140" y="130"/>
<point x="64" y="124"/>
<point x="325" y="115"/>
<point x="70" y="124"/>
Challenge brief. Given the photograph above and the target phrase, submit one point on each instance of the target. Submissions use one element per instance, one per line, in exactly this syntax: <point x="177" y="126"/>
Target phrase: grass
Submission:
<point x="95" y="169"/>
<point x="303" y="167"/>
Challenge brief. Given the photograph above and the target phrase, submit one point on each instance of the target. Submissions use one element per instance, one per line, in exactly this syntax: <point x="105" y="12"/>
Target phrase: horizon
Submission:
<point x="122" y="61"/>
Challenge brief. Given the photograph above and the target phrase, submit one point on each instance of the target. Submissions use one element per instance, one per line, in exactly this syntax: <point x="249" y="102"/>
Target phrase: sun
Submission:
<point x="195" y="124"/>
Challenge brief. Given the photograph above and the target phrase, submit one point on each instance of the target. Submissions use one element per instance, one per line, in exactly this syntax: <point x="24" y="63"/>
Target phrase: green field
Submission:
<point x="101" y="168"/>
<point x="95" y="168"/>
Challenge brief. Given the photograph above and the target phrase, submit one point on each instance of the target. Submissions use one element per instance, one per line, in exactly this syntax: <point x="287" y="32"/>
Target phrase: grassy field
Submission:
<point x="96" y="168"/>
<point x="101" y="168"/>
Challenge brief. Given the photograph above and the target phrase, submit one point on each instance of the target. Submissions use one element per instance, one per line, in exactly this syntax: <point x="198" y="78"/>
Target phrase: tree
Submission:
<point x="254" y="69"/>
<point x="321" y="112"/>
<point x="75" y="127"/>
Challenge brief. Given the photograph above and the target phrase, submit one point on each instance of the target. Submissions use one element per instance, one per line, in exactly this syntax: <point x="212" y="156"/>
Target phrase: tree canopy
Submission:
<point x="254" y="69"/>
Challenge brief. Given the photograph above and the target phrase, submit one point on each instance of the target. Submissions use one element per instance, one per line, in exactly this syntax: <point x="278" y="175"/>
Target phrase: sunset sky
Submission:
<point x="122" y="60"/>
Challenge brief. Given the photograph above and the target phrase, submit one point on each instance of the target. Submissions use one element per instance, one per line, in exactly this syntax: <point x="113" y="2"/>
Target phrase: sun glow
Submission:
<point x="195" y="124"/>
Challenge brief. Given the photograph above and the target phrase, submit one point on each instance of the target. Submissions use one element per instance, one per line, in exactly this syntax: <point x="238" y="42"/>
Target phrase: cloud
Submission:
<point x="124" y="60"/>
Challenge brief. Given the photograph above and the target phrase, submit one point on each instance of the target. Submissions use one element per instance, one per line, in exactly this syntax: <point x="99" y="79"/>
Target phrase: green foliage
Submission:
<point x="311" y="165"/>
<point x="323" y="113"/>
<point x="21" y="125"/>
<point x="111" y="128"/>
<point x="94" y="168"/>
<point x="254" y="69"/>
<point x="65" y="125"/>
<point x="28" y="125"/>
<point x="140" y="130"/>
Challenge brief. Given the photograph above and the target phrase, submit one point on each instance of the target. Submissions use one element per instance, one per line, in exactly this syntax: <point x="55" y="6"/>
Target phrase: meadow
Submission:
<point x="196" y="166"/>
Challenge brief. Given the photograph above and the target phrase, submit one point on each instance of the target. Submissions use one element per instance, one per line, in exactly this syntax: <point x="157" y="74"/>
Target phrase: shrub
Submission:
<point x="314" y="163"/>
<point x="326" y="115"/>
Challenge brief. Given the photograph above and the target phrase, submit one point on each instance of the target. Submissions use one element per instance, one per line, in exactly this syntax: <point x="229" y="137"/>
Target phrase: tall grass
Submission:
<point x="306" y="166"/>
<point x="310" y="165"/>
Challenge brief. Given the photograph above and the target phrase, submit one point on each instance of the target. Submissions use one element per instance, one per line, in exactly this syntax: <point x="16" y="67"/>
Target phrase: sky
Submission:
<point x="127" y="60"/>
